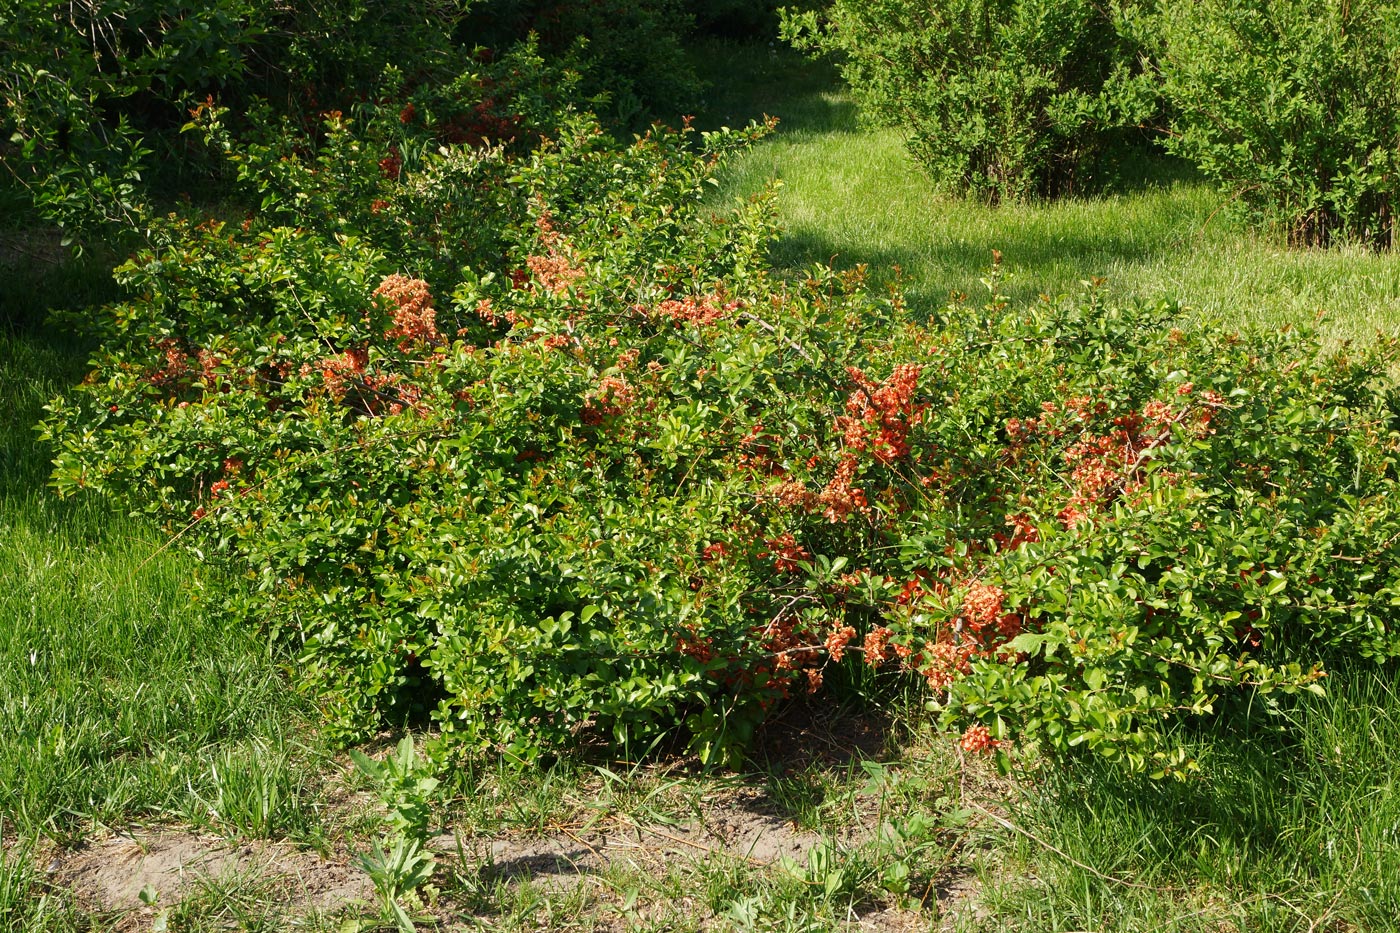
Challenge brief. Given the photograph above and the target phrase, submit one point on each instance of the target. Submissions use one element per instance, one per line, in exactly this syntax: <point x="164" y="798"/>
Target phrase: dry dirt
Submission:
<point x="735" y="827"/>
<point x="737" y="823"/>
<point x="109" y="875"/>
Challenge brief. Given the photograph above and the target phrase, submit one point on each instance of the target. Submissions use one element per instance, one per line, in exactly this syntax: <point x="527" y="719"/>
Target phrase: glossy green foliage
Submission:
<point x="531" y="444"/>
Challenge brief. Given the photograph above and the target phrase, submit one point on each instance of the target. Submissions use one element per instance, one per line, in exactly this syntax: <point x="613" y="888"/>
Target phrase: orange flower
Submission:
<point x="977" y="739"/>
<point x="414" y="316"/>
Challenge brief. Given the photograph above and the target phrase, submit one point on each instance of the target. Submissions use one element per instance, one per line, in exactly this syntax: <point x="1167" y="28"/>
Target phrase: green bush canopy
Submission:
<point x="533" y="445"/>
<point x="499" y="422"/>
<point x="999" y="98"/>
<point x="1293" y="106"/>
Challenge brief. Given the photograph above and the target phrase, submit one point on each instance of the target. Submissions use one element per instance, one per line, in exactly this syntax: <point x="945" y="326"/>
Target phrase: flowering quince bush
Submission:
<point x="605" y="477"/>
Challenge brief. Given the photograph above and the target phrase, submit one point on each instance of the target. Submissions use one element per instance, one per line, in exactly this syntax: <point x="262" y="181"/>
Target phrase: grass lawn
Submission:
<point x="127" y="701"/>
<point x="851" y="195"/>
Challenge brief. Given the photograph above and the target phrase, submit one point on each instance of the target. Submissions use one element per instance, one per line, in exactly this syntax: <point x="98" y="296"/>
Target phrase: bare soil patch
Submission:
<point x="109" y="875"/>
<point x="735" y="826"/>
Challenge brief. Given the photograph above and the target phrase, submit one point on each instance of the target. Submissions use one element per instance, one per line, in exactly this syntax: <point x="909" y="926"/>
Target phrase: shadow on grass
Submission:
<point x="945" y="267"/>
<point x="40" y="356"/>
<point x="887" y="215"/>
<point x="1306" y="807"/>
<point x="749" y="81"/>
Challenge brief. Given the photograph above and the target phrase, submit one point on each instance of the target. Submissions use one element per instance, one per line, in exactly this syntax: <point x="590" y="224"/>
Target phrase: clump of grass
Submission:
<point x="122" y="698"/>
<point x="117" y="687"/>
<point x="1288" y="830"/>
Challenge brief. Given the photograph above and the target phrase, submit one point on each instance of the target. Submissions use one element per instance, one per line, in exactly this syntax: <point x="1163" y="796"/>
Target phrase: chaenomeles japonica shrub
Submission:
<point x="1293" y="108"/>
<point x="1001" y="99"/>
<point x="425" y="488"/>
<point x="618" y="482"/>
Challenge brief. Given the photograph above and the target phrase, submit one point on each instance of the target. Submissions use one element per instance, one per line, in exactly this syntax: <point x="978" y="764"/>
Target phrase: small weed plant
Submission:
<point x="399" y="862"/>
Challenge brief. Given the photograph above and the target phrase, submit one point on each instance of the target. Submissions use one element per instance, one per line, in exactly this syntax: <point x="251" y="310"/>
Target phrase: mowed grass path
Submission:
<point x="851" y="195"/>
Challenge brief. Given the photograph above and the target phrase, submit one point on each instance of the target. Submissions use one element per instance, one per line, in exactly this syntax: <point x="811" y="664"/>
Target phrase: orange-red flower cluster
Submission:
<point x="555" y="270"/>
<point x="209" y="365"/>
<point x="982" y="605"/>
<point x="1023" y="531"/>
<point x="786" y="553"/>
<point x="177" y="364"/>
<point x="983" y="615"/>
<point x="613" y="396"/>
<point x="878" y="416"/>
<point x="392" y="164"/>
<point x="837" y="641"/>
<point x="413" y="312"/>
<point x="715" y="550"/>
<point x="841" y="496"/>
<point x="792" y="493"/>
<point x="695" y="646"/>
<point x="978" y="740"/>
<point x="877" y="646"/>
<point x="343" y="368"/>
<point x="943" y="662"/>
<point x="700" y="310"/>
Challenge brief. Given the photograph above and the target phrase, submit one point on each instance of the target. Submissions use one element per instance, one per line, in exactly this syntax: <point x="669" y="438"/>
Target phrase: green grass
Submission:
<point x="1288" y="831"/>
<point x="852" y="196"/>
<point x="121" y="697"/>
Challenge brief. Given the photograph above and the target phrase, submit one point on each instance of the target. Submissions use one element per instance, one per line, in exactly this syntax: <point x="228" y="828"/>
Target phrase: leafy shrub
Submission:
<point x="420" y="171"/>
<point x="1294" y="108"/>
<point x="737" y="19"/>
<point x="81" y="80"/>
<point x="999" y="98"/>
<point x="630" y="54"/>
<point x="608" y="479"/>
<point x="145" y="61"/>
<point x="276" y="341"/>
<point x="94" y="90"/>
